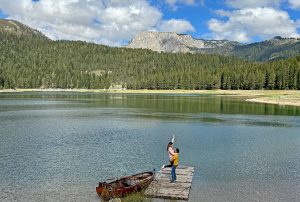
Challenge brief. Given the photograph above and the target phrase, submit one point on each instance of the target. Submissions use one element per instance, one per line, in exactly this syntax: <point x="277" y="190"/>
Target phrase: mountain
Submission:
<point x="29" y="61"/>
<point x="273" y="49"/>
<point x="19" y="29"/>
<point x="175" y="43"/>
<point x="170" y="42"/>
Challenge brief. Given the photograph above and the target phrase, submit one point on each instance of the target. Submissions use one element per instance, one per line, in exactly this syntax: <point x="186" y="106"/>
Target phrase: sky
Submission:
<point x="116" y="22"/>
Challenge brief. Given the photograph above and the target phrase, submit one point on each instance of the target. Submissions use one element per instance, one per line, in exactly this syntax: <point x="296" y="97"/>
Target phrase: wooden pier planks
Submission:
<point x="162" y="188"/>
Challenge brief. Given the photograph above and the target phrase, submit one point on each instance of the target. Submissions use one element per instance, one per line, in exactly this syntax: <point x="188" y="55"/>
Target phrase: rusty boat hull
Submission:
<point x="124" y="186"/>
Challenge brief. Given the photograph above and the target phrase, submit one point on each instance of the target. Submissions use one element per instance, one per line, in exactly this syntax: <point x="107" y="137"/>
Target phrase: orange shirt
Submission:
<point x="175" y="158"/>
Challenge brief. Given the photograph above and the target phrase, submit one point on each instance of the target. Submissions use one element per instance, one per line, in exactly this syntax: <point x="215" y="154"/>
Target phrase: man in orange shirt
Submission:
<point x="175" y="164"/>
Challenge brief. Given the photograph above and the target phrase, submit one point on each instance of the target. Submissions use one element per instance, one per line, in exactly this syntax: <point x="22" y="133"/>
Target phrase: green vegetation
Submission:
<point x="270" y="50"/>
<point x="274" y="49"/>
<point x="36" y="62"/>
<point x="136" y="197"/>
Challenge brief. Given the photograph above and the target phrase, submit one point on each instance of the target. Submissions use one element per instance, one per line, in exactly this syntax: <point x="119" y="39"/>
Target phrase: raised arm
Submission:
<point x="173" y="139"/>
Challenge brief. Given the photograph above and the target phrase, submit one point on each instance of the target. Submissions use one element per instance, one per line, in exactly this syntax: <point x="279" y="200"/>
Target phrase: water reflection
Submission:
<point x="154" y="102"/>
<point x="57" y="146"/>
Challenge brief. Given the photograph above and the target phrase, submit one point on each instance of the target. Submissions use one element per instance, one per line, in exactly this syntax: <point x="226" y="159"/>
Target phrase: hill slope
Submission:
<point x="273" y="49"/>
<point x="17" y="28"/>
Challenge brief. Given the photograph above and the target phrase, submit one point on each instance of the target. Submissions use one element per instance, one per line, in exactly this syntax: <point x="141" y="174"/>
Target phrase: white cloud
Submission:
<point x="253" y="3"/>
<point x="178" y="26"/>
<point x="102" y="21"/>
<point x="295" y="4"/>
<point x="173" y="3"/>
<point x="242" y="25"/>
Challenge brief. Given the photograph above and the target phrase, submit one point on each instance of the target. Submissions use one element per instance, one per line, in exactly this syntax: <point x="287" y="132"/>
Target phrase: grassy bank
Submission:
<point x="281" y="97"/>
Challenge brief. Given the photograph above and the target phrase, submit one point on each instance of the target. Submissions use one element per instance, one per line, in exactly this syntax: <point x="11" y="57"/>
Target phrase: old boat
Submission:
<point x="124" y="186"/>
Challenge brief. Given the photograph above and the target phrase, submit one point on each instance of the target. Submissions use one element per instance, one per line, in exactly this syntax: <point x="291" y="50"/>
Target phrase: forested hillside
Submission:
<point x="36" y="62"/>
<point x="273" y="49"/>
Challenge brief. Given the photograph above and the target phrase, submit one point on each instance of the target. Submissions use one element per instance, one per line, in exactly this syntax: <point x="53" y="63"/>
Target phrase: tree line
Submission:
<point x="29" y="62"/>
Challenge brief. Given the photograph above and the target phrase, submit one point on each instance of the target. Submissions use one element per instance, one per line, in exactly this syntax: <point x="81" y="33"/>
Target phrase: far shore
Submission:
<point x="279" y="97"/>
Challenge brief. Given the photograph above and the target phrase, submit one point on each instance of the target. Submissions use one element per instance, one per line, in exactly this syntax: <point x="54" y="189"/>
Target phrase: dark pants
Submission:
<point x="173" y="173"/>
<point x="169" y="166"/>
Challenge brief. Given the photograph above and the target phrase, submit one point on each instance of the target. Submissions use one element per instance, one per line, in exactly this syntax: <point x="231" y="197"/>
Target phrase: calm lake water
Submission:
<point x="57" y="146"/>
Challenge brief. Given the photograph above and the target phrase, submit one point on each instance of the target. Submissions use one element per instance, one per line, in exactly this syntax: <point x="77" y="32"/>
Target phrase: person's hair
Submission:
<point x="169" y="145"/>
<point x="177" y="150"/>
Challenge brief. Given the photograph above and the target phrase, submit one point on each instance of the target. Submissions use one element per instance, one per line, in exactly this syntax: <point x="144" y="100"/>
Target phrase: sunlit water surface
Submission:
<point x="57" y="146"/>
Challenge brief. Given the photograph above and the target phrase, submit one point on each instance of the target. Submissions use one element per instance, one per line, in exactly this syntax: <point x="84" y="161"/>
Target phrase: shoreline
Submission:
<point x="278" y="97"/>
<point x="267" y="100"/>
<point x="142" y="91"/>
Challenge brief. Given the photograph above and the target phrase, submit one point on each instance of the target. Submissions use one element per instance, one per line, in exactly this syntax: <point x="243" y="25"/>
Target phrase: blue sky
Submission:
<point x="115" y="22"/>
<point x="199" y="14"/>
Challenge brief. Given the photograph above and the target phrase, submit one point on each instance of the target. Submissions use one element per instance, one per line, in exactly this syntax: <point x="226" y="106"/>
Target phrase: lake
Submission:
<point x="56" y="146"/>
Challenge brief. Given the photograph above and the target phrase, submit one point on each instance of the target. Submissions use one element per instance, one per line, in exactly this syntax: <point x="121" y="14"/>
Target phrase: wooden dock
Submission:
<point x="162" y="188"/>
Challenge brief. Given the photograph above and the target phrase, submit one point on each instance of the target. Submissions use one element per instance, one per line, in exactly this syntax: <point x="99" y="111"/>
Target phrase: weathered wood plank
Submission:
<point x="162" y="188"/>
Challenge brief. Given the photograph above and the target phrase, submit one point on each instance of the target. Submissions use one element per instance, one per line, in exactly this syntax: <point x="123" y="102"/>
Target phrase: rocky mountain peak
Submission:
<point x="165" y="42"/>
<point x="173" y="42"/>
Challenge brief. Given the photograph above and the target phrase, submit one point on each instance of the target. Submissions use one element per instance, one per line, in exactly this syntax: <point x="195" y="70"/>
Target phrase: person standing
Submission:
<point x="174" y="166"/>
